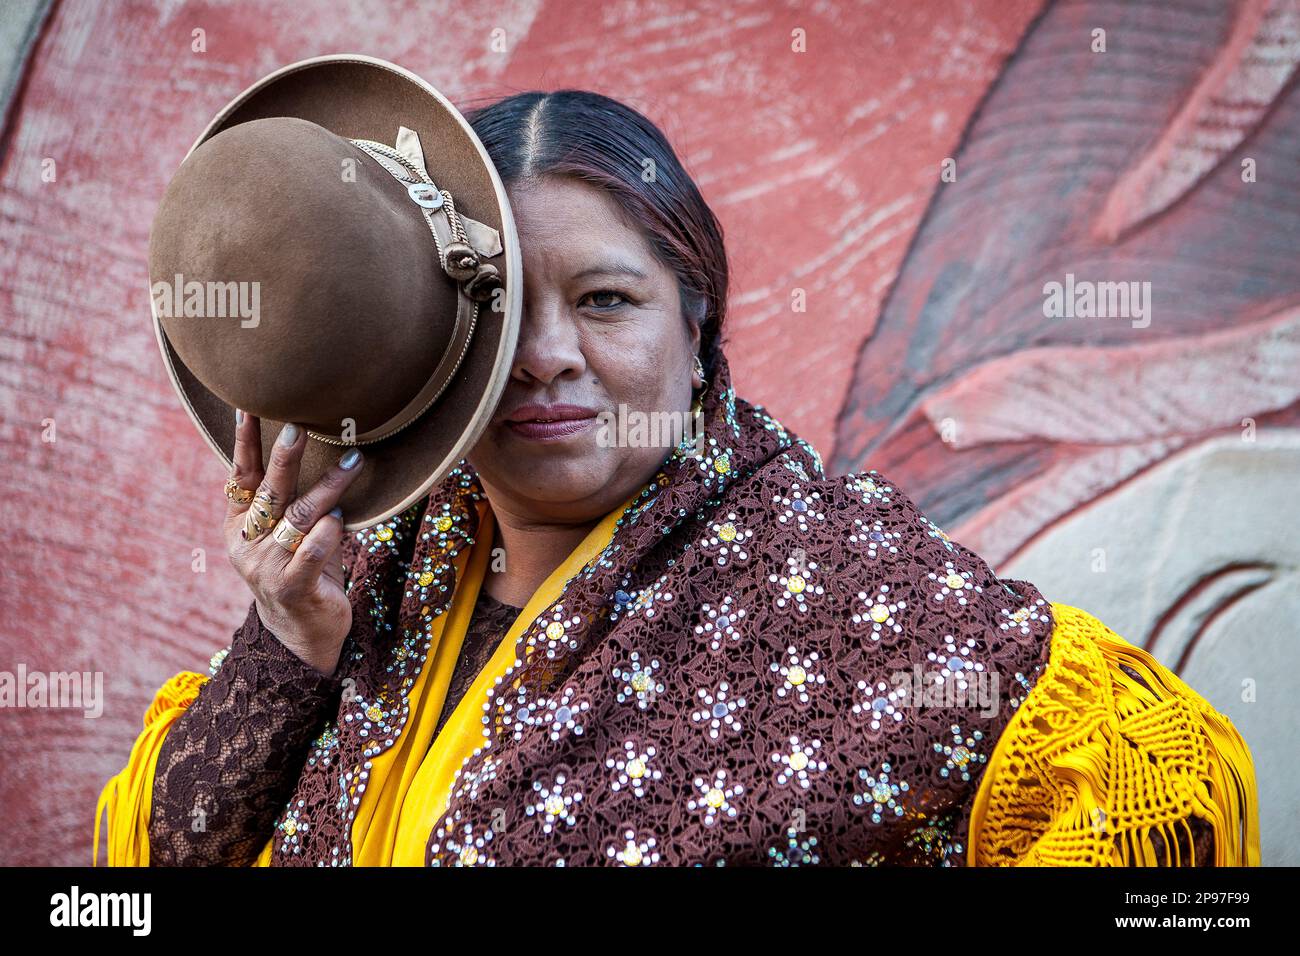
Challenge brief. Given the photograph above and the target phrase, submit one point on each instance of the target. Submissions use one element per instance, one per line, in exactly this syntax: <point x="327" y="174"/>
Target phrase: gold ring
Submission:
<point x="236" y="493"/>
<point x="258" y="520"/>
<point x="287" y="536"/>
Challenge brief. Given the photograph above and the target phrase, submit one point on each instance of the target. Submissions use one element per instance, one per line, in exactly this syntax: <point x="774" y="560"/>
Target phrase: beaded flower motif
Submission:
<point x="714" y="464"/>
<point x="382" y="537"/>
<point x="563" y="713"/>
<point x="880" y="612"/>
<point x="469" y="848"/>
<point x="637" y="681"/>
<point x="727" y="541"/>
<point x="872" y="537"/>
<point x="719" y="709"/>
<point x="631" y="768"/>
<point x="434" y="571"/>
<point x="554" y="636"/>
<point x="719" y="624"/>
<point x="1021" y="618"/>
<point x="648" y="598"/>
<point x="934" y="840"/>
<point x="323" y="745"/>
<point x="870" y="487"/>
<point x="713" y="798"/>
<point x="799" y="509"/>
<point x="881" y="794"/>
<point x="798" y="675"/>
<point x="797" y="583"/>
<point x="955" y="660"/>
<point x="960" y="752"/>
<point x="798" y="763"/>
<point x="373" y="717"/>
<point x="880" y="705"/>
<point x="954" y="585"/>
<point x="291" y="827"/>
<point x="519" y="714"/>
<point x="635" y="849"/>
<point x="555" y="803"/>
<point x="443" y="526"/>
<point x="794" y="850"/>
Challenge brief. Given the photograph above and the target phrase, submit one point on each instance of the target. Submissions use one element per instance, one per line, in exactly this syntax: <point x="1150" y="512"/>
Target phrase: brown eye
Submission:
<point x="604" y="294"/>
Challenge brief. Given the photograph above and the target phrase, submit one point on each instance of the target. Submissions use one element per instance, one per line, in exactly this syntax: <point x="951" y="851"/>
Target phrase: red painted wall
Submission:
<point x="821" y="164"/>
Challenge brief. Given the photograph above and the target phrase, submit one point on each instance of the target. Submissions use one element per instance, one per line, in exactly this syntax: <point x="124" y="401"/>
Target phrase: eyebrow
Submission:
<point x="615" y="268"/>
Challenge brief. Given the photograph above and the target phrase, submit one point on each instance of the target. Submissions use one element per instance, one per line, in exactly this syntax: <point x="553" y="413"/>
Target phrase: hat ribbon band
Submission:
<point x="425" y="194"/>
<point x="466" y="319"/>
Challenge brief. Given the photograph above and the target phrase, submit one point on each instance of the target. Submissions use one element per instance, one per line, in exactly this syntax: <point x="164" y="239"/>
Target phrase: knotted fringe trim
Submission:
<point x="1101" y="768"/>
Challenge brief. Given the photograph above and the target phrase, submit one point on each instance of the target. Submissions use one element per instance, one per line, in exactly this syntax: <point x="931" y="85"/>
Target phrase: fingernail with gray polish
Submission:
<point x="336" y="513"/>
<point x="239" y="417"/>
<point x="289" y="434"/>
<point x="350" y="460"/>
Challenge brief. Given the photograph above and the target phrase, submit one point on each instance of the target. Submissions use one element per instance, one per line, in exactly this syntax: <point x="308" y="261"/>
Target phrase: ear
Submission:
<point x="693" y="326"/>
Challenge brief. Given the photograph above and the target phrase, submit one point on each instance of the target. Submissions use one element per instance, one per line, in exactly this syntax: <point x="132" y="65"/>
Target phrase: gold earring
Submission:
<point x="699" y="370"/>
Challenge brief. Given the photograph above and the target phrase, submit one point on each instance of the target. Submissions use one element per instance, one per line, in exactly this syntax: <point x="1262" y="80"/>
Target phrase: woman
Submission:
<point x="580" y="650"/>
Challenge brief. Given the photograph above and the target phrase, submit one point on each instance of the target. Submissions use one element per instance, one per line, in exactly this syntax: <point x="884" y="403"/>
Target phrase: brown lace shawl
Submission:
<point x="723" y="685"/>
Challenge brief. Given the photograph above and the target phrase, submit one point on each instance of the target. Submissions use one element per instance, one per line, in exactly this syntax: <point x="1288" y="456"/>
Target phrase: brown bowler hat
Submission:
<point x="337" y="250"/>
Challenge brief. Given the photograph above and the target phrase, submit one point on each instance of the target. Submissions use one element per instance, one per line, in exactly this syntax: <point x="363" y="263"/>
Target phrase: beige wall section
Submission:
<point x="1212" y="537"/>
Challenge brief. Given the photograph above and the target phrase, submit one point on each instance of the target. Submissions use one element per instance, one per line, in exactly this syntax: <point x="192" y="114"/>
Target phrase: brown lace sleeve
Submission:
<point x="231" y="760"/>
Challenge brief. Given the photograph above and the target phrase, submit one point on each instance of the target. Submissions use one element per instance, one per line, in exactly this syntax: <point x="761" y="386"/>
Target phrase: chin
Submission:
<point x="547" y="474"/>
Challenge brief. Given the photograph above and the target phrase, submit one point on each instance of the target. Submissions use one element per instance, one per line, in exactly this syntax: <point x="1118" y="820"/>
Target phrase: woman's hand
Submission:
<point x="300" y="595"/>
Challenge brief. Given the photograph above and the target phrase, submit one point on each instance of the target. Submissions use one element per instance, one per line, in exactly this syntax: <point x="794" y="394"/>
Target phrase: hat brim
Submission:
<point x="360" y="97"/>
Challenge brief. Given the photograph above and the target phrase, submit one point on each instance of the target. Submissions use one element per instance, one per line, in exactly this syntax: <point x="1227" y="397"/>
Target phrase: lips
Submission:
<point x="550" y="413"/>
<point x="549" y="422"/>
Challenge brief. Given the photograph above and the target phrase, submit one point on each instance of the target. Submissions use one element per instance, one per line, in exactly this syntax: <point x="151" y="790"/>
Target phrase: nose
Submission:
<point x="549" y="346"/>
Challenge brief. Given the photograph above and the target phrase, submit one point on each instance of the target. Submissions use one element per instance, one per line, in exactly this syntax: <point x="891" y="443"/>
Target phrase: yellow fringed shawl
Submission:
<point x="1090" y="765"/>
<point x="1093" y="763"/>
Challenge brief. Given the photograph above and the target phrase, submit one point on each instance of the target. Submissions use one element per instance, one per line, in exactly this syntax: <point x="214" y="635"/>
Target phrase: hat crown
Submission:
<point x="296" y="278"/>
